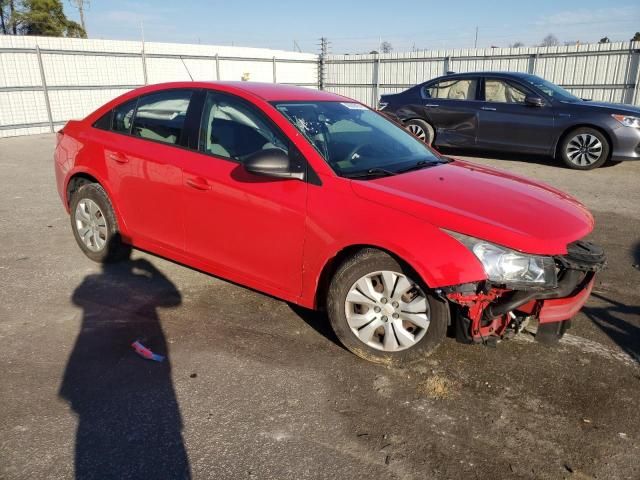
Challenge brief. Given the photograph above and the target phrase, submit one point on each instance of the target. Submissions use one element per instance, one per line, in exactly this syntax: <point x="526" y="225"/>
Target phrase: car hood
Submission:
<point x="611" y="107"/>
<point x="484" y="203"/>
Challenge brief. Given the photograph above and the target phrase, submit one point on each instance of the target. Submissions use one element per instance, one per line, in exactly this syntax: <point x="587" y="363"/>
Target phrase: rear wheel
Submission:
<point x="584" y="149"/>
<point x="381" y="311"/>
<point x="94" y="225"/>
<point x="421" y="129"/>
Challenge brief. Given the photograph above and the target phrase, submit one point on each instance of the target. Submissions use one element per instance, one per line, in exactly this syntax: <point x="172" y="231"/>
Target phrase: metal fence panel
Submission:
<point x="606" y="72"/>
<point x="44" y="81"/>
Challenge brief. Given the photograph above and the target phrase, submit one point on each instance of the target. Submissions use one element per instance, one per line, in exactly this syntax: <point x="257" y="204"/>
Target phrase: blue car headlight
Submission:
<point x="627" y="120"/>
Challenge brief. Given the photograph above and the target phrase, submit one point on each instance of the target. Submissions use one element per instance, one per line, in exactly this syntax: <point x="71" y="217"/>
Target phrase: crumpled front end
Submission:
<point x="487" y="312"/>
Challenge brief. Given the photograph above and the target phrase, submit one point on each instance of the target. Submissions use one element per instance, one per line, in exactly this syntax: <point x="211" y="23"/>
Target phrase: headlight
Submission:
<point x="505" y="266"/>
<point x="628" y="121"/>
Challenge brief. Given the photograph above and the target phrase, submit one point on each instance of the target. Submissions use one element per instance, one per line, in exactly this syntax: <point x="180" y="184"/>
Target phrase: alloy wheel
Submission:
<point x="584" y="149"/>
<point x="91" y="225"/>
<point x="418" y="131"/>
<point x="387" y="311"/>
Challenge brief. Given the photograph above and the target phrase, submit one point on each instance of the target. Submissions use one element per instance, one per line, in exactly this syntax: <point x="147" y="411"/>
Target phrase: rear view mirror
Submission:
<point x="271" y="162"/>
<point x="534" y="101"/>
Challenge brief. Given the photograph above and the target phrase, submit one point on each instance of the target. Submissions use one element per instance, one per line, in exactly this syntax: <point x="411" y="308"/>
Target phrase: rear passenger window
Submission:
<point x="161" y="116"/>
<point x="458" y="89"/>
<point x="122" y="115"/>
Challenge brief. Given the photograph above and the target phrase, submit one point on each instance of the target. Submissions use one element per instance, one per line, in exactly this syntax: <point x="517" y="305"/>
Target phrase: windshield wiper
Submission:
<point x="372" y="172"/>
<point x="421" y="164"/>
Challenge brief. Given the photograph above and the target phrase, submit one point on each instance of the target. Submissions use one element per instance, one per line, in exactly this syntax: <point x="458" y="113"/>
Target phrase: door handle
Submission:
<point x="118" y="157"/>
<point x="198" y="183"/>
<point x="431" y="105"/>
<point x="490" y="109"/>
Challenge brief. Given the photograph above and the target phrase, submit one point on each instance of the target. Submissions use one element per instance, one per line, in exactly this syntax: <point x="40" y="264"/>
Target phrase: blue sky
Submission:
<point x="356" y="26"/>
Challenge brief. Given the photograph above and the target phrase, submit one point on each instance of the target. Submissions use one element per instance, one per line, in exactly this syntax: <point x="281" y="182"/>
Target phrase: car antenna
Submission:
<point x="186" y="68"/>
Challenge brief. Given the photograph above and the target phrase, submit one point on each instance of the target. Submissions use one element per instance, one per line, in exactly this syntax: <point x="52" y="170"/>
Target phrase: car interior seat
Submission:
<point x="495" y="91"/>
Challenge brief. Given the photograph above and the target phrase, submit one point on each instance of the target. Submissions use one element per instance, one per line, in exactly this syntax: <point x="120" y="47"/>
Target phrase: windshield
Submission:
<point x="551" y="89"/>
<point x="354" y="140"/>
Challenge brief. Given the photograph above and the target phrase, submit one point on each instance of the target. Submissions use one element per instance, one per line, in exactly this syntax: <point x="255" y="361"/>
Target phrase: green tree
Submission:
<point x="3" y="23"/>
<point x="7" y="17"/>
<point x="550" y="41"/>
<point x="46" y="18"/>
<point x="636" y="37"/>
<point x="604" y="40"/>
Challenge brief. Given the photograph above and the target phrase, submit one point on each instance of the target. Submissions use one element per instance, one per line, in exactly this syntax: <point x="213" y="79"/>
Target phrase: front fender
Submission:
<point x="439" y="259"/>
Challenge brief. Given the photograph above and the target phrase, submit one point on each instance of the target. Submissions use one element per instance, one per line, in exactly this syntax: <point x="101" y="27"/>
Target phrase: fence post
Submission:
<point x="44" y="88"/>
<point x="634" y="76"/>
<point x="376" y="82"/>
<point x="274" y="69"/>
<point x="217" y="67"/>
<point x="533" y="58"/>
<point x="446" y="65"/>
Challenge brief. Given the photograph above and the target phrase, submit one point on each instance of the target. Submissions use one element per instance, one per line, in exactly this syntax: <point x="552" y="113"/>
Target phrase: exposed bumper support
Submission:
<point x="566" y="287"/>
<point x="564" y="308"/>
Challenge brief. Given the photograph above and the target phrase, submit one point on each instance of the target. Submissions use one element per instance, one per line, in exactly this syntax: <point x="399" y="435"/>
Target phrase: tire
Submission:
<point x="92" y="216"/>
<point x="421" y="130"/>
<point x="551" y="333"/>
<point x="407" y="341"/>
<point x="584" y="149"/>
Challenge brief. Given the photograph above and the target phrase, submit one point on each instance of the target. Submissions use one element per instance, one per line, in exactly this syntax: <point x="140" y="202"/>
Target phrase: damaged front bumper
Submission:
<point x="486" y="312"/>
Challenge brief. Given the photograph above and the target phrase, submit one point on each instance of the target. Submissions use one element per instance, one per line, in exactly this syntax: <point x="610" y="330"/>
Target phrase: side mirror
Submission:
<point x="271" y="162"/>
<point x="534" y="101"/>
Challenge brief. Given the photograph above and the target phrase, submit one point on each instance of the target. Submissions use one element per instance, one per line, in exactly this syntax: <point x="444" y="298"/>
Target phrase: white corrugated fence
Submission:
<point x="46" y="81"/>
<point x="607" y="72"/>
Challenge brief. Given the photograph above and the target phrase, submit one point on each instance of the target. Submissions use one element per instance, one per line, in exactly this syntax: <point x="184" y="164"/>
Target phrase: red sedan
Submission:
<point x="314" y="198"/>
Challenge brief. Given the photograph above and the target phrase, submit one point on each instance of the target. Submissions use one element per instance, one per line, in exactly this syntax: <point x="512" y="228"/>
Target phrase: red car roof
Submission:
<point x="274" y="91"/>
<point x="266" y="91"/>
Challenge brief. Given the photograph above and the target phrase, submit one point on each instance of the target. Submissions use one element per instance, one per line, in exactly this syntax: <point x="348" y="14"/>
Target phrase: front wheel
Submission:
<point x="584" y="149"/>
<point x="382" y="312"/>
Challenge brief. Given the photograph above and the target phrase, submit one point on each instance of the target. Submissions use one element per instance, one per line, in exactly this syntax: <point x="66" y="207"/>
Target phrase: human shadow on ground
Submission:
<point x="609" y="318"/>
<point x="129" y="422"/>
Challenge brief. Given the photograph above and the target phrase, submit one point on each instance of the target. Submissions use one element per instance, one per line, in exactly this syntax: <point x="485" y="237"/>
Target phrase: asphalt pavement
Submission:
<point x="253" y="387"/>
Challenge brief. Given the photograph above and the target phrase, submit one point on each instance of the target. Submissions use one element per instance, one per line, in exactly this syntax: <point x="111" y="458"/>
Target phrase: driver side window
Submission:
<point x="501" y="91"/>
<point x="231" y="129"/>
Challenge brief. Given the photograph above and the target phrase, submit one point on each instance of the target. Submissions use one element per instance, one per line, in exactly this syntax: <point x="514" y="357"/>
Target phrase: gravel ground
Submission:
<point x="255" y="388"/>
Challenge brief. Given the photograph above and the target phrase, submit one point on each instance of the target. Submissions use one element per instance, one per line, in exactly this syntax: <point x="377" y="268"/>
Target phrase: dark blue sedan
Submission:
<point x="517" y="112"/>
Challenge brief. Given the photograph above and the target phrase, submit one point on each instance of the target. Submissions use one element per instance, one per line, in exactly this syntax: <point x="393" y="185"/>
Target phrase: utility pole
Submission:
<point x="79" y="4"/>
<point x="475" y="43"/>
<point x="324" y="50"/>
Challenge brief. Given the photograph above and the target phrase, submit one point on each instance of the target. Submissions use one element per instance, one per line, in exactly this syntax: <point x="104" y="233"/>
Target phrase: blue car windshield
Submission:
<point x="355" y="140"/>
<point x="551" y="89"/>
